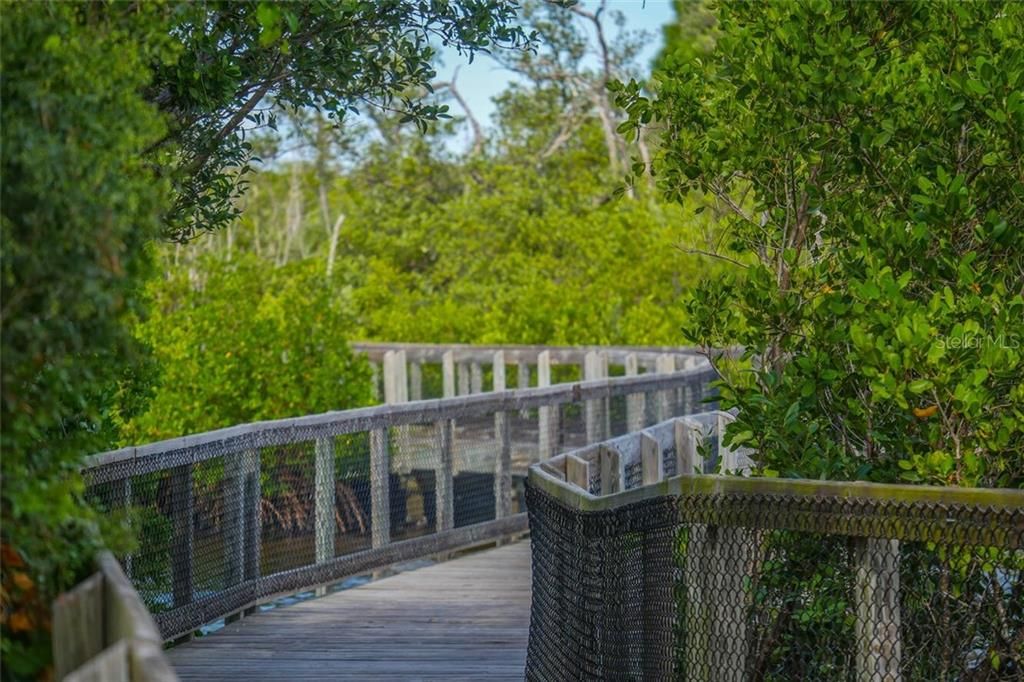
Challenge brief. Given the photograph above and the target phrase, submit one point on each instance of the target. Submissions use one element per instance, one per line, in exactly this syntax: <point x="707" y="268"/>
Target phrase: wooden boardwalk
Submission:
<point x="465" y="619"/>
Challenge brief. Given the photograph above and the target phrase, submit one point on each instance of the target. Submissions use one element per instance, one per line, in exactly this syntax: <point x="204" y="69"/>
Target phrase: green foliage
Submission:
<point x="693" y="32"/>
<point x="872" y="156"/>
<point x="78" y="204"/>
<point x="337" y="57"/>
<point x="246" y="342"/>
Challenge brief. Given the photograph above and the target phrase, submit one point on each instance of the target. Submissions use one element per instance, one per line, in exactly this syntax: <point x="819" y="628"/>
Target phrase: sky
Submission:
<point x="484" y="78"/>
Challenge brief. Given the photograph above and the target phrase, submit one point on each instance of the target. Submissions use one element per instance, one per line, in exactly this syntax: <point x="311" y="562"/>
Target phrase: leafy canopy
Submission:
<point x="871" y="158"/>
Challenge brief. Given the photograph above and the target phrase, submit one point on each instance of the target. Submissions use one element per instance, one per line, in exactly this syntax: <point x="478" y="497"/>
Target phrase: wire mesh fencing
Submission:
<point x="725" y="578"/>
<point x="232" y="518"/>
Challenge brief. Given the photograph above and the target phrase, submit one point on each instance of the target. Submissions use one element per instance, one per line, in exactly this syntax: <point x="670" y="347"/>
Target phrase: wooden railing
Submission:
<point x="103" y="632"/>
<point x="491" y="436"/>
<point x="399" y="367"/>
<point x="640" y="547"/>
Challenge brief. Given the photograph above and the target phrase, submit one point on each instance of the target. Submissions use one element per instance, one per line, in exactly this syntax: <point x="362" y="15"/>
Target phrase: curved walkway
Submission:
<point x="464" y="619"/>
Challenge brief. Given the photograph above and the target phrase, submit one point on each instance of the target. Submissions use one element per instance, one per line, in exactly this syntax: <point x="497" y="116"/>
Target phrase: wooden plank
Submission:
<point x="464" y="383"/>
<point x="666" y="364"/>
<point x="253" y="509"/>
<point x="523" y="378"/>
<point x="653" y="466"/>
<point x="148" y="663"/>
<point x="498" y="371"/>
<point x="577" y="471"/>
<point x="324" y="499"/>
<point x="476" y="378"/>
<point x="688" y="436"/>
<point x="462" y="619"/>
<point x="415" y="381"/>
<point x="234" y="518"/>
<point x="503" y="465"/>
<point x="635" y="402"/>
<point x="110" y="665"/>
<point x="448" y="374"/>
<point x="613" y="471"/>
<point x="547" y="417"/>
<point x="76" y="636"/>
<point x="380" y="488"/>
<point x="125" y="616"/>
<point x="444" y="485"/>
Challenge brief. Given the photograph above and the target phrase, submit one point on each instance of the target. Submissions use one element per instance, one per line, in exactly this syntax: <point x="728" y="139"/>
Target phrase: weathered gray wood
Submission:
<point x="324" y="499"/>
<point x="253" y="510"/>
<point x="464" y="383"/>
<point x="523" y="378"/>
<point x="125" y="616"/>
<point x="109" y="665"/>
<point x="476" y="378"/>
<point x="577" y="471"/>
<point x="402" y="377"/>
<point x="547" y="417"/>
<point x="465" y="619"/>
<point x="183" y="538"/>
<point x="613" y="471"/>
<point x="448" y="374"/>
<point x="390" y="378"/>
<point x="877" y="604"/>
<point x="148" y="663"/>
<point x="635" y="403"/>
<point x="653" y="466"/>
<point x="498" y="371"/>
<point x="380" y="488"/>
<point x="77" y="634"/>
<point x="503" y="465"/>
<point x="444" y="491"/>
<point x="595" y="411"/>
<point x="688" y="437"/>
<point x="665" y="365"/>
<point x="415" y="381"/>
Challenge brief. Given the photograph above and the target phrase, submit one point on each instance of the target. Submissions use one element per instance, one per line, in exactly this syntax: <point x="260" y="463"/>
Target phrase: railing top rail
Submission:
<point x="712" y="484"/>
<point x="515" y="353"/>
<point x="241" y="437"/>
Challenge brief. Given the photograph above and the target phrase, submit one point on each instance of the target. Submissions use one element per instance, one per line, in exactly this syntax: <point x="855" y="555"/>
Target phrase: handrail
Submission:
<point x="205" y="495"/>
<point x="518" y="353"/>
<point x="125" y="644"/>
<point x="647" y="564"/>
<point x="234" y="438"/>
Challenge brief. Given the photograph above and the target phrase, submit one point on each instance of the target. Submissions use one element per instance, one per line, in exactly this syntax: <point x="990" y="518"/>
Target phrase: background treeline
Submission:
<point x="531" y="229"/>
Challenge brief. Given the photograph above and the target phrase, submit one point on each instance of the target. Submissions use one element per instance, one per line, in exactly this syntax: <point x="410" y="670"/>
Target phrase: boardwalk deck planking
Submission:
<point x="465" y="619"/>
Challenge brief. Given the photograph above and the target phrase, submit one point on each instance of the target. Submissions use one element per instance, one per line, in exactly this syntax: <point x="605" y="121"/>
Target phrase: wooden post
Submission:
<point x="380" y="488"/>
<point x="503" y="465"/>
<point x="666" y="365"/>
<point x="401" y="377"/>
<point x="635" y="402"/>
<point x="877" y="601"/>
<point x="324" y="506"/>
<point x="476" y="378"/>
<point x="463" y="378"/>
<point x="253" y="511"/>
<point x="688" y="458"/>
<point x="613" y="471"/>
<point x="498" y="371"/>
<point x="577" y="472"/>
<point x="547" y="416"/>
<point x="415" y="381"/>
<point x="523" y="380"/>
<point x="183" y="540"/>
<point x="594" y="414"/>
<point x="651" y="462"/>
<point x="444" y="484"/>
<point x="448" y="374"/>
<point x="503" y="437"/>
